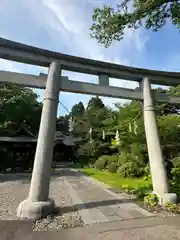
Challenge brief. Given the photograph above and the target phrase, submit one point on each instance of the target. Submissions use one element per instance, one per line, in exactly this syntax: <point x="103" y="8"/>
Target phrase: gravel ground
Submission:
<point x="61" y="219"/>
<point x="14" y="189"/>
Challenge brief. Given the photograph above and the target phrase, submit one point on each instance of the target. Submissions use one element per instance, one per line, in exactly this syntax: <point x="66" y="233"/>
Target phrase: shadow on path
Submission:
<point x="90" y="205"/>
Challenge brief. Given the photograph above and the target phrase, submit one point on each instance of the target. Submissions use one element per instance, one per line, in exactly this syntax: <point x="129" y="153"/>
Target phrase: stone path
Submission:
<point x="98" y="204"/>
<point x="90" y="210"/>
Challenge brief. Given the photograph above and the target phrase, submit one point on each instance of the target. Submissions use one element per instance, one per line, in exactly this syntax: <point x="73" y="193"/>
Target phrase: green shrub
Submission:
<point x="112" y="159"/>
<point x="143" y="191"/>
<point x="130" y="165"/>
<point x="175" y="176"/>
<point x="104" y="158"/>
<point x="174" y="187"/>
<point x="100" y="163"/>
<point x="78" y="165"/>
<point x="147" y="173"/>
<point x="125" y="170"/>
<point x="174" y="208"/>
<point x="124" y="158"/>
<point x="112" y="168"/>
<point x="109" y="159"/>
<point x="92" y="160"/>
<point x="130" y="169"/>
<point x="151" y="200"/>
<point x="175" y="171"/>
<point x="128" y="189"/>
<point x="140" y="191"/>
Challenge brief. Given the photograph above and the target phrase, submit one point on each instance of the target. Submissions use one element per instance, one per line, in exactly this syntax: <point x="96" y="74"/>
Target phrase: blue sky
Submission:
<point x="63" y="26"/>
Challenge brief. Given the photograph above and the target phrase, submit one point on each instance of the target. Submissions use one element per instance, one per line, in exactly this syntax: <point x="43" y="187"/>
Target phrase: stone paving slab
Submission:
<point x="126" y="200"/>
<point x="100" y="203"/>
<point x="88" y="217"/>
<point x="149" y="222"/>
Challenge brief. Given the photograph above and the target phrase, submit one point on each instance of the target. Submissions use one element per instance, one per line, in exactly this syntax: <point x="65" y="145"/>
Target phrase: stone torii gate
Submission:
<point x="38" y="204"/>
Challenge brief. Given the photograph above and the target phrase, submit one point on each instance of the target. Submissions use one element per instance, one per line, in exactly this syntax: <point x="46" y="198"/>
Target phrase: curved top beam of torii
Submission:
<point x="15" y="51"/>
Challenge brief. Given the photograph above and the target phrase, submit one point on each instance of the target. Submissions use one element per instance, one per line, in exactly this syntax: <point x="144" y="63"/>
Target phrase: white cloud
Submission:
<point x="75" y="23"/>
<point x="64" y="26"/>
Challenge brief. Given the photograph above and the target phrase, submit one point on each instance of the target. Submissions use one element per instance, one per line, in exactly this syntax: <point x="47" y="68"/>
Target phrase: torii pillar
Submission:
<point x="156" y="159"/>
<point x="38" y="204"/>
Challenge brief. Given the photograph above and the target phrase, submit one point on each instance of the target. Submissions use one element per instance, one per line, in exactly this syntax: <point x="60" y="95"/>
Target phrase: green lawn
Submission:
<point x="114" y="180"/>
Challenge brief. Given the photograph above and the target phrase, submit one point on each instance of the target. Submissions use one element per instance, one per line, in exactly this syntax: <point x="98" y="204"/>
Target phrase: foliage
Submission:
<point x="151" y="200"/>
<point x="175" y="176"/>
<point x="78" y="110"/>
<point x="100" y="163"/>
<point x="115" y="180"/>
<point x="95" y="103"/>
<point x="110" y="23"/>
<point x="93" y="144"/>
<point x="62" y="124"/>
<point x="173" y="208"/>
<point x="112" y="159"/>
<point x="132" y="151"/>
<point x="127" y="170"/>
<point x="18" y="105"/>
<point x="130" y="165"/>
<point x="104" y="158"/>
<point x="112" y="167"/>
<point x="136" y="186"/>
<point x="143" y="191"/>
<point x="86" y="150"/>
<point x="147" y="173"/>
<point x="168" y="128"/>
<point x="137" y="150"/>
<point x="175" y="171"/>
<point x="93" y="160"/>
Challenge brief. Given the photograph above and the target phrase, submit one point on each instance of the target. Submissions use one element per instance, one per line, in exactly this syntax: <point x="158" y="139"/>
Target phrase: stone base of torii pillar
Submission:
<point x="38" y="204"/>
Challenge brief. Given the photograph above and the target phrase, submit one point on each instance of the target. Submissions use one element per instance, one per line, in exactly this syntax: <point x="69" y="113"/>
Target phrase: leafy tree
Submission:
<point x="62" y="124"/>
<point x="96" y="112"/>
<point x="81" y="128"/>
<point x="167" y="108"/>
<point x="169" y="129"/>
<point x="95" y="103"/>
<point x="78" y="110"/>
<point x="110" y="23"/>
<point x="18" y="105"/>
<point x="93" y="118"/>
